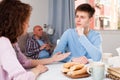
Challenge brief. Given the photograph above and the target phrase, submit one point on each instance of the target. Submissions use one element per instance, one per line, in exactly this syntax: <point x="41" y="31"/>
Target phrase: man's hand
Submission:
<point x="82" y="60"/>
<point x="43" y="46"/>
<point x="47" y="47"/>
<point x="59" y="56"/>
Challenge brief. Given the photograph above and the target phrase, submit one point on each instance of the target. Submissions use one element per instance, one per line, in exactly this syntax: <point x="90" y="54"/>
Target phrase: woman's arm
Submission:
<point x="34" y="62"/>
<point x="55" y="58"/>
<point x="11" y="65"/>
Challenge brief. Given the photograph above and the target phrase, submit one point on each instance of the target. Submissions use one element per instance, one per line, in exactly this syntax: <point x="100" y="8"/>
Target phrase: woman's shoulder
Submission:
<point x="4" y="41"/>
<point x="5" y="45"/>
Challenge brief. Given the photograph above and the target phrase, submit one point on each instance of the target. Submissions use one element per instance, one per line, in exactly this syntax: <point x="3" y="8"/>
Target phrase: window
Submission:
<point x="107" y="15"/>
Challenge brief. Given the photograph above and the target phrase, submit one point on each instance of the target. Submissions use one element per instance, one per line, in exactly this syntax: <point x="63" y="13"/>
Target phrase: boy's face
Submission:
<point x="82" y="19"/>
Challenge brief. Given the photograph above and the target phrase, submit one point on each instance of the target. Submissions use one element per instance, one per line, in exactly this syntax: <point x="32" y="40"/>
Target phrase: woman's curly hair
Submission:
<point x="13" y="14"/>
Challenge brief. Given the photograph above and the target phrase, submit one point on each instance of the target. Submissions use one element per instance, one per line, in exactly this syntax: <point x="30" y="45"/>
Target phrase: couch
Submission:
<point x="23" y="40"/>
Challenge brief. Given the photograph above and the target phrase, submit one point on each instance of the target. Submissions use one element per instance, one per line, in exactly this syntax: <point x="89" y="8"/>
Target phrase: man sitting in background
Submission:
<point x="38" y="46"/>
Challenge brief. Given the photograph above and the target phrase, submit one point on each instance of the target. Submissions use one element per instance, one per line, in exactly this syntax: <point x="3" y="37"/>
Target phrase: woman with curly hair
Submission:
<point x="14" y="20"/>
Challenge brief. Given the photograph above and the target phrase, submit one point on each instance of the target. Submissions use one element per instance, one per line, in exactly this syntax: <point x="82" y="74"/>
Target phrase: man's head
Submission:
<point x="83" y="15"/>
<point x="38" y="31"/>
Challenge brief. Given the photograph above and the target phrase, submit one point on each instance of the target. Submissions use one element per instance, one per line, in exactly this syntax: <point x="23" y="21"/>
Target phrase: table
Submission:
<point x="55" y="73"/>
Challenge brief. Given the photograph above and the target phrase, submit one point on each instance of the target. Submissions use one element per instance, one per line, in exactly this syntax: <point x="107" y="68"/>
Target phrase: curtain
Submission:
<point x="61" y="16"/>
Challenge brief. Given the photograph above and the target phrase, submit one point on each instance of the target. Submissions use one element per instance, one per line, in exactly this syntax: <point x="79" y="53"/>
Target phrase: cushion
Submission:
<point x="22" y="41"/>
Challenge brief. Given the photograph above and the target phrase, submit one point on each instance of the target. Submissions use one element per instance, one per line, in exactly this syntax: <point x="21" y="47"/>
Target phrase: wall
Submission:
<point x="111" y="41"/>
<point x="39" y="15"/>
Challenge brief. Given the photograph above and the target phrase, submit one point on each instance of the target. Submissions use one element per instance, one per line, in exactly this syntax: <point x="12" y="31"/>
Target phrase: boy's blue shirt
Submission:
<point x="89" y="46"/>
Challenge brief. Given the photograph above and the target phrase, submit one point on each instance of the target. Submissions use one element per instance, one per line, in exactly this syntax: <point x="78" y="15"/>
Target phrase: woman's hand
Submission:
<point x="82" y="60"/>
<point x="59" y="56"/>
<point x="39" y="69"/>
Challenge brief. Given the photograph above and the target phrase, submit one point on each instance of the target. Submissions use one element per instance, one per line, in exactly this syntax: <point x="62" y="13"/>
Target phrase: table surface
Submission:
<point x="55" y="73"/>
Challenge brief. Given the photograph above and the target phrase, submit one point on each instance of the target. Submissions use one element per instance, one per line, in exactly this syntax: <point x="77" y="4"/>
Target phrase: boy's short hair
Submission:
<point x="86" y="8"/>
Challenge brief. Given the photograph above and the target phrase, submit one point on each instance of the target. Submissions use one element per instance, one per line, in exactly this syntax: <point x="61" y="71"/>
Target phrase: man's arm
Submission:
<point x="62" y="43"/>
<point x="92" y="48"/>
<point x="50" y="47"/>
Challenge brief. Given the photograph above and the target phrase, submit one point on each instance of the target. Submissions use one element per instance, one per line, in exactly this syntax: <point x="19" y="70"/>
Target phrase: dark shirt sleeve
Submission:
<point x="32" y="47"/>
